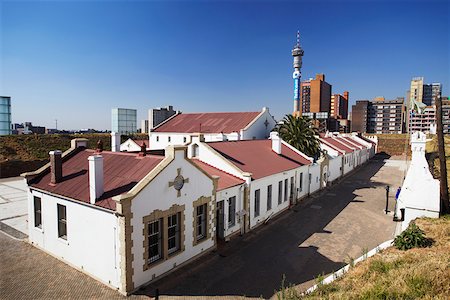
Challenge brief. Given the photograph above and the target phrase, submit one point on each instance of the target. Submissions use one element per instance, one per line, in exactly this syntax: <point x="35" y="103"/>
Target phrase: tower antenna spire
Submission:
<point x="298" y="38"/>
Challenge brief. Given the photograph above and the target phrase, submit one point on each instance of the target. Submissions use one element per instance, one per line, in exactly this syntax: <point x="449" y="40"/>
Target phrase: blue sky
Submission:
<point x="74" y="61"/>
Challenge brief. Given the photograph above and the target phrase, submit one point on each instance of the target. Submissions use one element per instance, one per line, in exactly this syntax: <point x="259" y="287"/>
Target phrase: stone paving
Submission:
<point x="315" y="237"/>
<point x="13" y="207"/>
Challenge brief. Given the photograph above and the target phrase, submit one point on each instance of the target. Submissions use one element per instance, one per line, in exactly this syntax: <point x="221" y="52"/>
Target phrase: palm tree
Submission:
<point x="299" y="133"/>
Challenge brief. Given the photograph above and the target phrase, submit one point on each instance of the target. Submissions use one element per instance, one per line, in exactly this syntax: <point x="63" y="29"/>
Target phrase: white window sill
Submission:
<point x="63" y="241"/>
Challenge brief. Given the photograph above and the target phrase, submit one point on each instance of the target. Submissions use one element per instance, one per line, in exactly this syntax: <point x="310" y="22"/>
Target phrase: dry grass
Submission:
<point x="394" y="274"/>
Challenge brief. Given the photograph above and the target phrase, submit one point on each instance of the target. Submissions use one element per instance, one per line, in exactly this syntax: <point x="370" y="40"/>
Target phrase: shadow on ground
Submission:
<point x="254" y="264"/>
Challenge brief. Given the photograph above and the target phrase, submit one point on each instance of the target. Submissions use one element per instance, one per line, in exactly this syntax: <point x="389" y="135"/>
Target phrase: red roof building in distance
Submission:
<point x="216" y="122"/>
<point x="215" y="126"/>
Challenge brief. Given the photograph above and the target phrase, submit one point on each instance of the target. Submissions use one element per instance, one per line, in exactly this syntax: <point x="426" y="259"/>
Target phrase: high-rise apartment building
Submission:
<point x="5" y="115"/>
<point x="360" y="113"/>
<point x="315" y="95"/>
<point x="430" y="92"/>
<point x="339" y="106"/>
<point x="144" y="126"/>
<point x="158" y="115"/>
<point x="123" y="120"/>
<point x="426" y="120"/>
<point x="386" y="116"/>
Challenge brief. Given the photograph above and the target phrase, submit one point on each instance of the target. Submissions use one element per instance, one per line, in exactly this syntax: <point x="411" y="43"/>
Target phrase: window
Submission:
<point x="269" y="197"/>
<point x="168" y="139"/>
<point x="154" y="240"/>
<point x="201" y="222"/>
<point x="195" y="150"/>
<point x="62" y="222"/>
<point x="280" y="192"/>
<point x="257" y="203"/>
<point x="157" y="138"/>
<point x="301" y="182"/>
<point x="285" y="190"/>
<point x="173" y="233"/>
<point x="37" y="212"/>
<point x="292" y="189"/>
<point x="231" y="211"/>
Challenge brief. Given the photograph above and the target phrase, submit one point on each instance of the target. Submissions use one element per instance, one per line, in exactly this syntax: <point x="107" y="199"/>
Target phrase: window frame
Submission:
<point x="159" y="233"/>
<point x="231" y="211"/>
<point x="175" y="236"/>
<point x="286" y="190"/>
<point x="301" y="182"/>
<point x="269" y="197"/>
<point x="62" y="221"/>
<point x="280" y="192"/>
<point x="200" y="222"/>
<point x="37" y="212"/>
<point x="257" y="203"/>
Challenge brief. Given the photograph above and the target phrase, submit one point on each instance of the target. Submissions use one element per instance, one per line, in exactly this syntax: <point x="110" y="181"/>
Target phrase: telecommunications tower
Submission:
<point x="297" y="53"/>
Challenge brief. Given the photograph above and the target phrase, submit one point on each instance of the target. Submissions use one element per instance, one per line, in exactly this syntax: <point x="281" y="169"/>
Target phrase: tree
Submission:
<point x="299" y="133"/>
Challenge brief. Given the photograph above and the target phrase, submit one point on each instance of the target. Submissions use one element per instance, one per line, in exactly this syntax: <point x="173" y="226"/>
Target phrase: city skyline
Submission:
<point x="76" y="61"/>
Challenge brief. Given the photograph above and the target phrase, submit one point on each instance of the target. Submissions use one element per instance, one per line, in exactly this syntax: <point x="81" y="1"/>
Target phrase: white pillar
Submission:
<point x="95" y="177"/>
<point x="115" y="142"/>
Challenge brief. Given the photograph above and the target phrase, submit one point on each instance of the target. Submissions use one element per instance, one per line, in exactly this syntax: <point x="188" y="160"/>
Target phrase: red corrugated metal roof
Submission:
<point x="122" y="171"/>
<point x="349" y="139"/>
<point x="335" y="144"/>
<point x="257" y="157"/>
<point x="226" y="180"/>
<point x="208" y="122"/>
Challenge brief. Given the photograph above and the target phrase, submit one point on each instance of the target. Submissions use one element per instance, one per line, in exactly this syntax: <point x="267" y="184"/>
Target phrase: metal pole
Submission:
<point x="387" y="199"/>
<point x="442" y="158"/>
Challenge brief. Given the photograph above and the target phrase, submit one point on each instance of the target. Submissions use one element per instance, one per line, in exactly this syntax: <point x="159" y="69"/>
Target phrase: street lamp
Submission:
<point x="387" y="199"/>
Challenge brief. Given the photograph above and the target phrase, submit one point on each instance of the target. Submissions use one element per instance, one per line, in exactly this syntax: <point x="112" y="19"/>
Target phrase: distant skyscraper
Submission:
<point x="339" y="106"/>
<point x="5" y="115"/>
<point x="360" y="116"/>
<point x="297" y="53"/>
<point x="144" y="126"/>
<point x="123" y="120"/>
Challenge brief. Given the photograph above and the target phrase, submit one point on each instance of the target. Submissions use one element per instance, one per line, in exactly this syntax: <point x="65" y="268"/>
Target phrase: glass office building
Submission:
<point x="123" y="120"/>
<point x="5" y="115"/>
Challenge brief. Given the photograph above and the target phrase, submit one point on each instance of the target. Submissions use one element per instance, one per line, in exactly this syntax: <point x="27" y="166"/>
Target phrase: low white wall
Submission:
<point x="314" y="170"/>
<point x="335" y="165"/>
<point x="92" y="236"/>
<point x="160" y="140"/>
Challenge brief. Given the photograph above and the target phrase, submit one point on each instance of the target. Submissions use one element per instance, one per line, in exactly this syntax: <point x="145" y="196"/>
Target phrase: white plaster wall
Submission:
<point x="412" y="213"/>
<point x="158" y="195"/>
<point x="314" y="170"/>
<point x="163" y="142"/>
<point x="130" y="146"/>
<point x="224" y="195"/>
<point x="262" y="184"/>
<point x="92" y="237"/>
<point x="209" y="156"/>
<point x="258" y="129"/>
<point x="348" y="162"/>
<point x="335" y="164"/>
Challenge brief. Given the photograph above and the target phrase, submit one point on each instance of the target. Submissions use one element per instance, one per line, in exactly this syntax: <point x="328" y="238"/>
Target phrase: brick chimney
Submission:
<point x="276" y="142"/>
<point x="115" y="141"/>
<point x="55" y="166"/>
<point x="95" y="177"/>
<point x="143" y="151"/>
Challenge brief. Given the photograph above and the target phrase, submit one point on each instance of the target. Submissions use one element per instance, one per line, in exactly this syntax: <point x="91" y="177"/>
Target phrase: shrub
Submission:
<point x="412" y="237"/>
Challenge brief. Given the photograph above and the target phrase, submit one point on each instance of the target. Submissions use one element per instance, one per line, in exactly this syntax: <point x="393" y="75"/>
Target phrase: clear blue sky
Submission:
<point x="74" y="61"/>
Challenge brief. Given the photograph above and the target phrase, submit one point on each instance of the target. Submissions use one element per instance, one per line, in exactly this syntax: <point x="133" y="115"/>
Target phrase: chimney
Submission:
<point x="99" y="146"/>
<point x="115" y="142"/>
<point x="276" y="142"/>
<point x="77" y="143"/>
<point x="95" y="177"/>
<point x="143" y="151"/>
<point x="55" y="166"/>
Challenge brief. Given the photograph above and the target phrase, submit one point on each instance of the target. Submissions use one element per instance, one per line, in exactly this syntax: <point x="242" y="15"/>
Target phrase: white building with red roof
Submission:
<point x="274" y="176"/>
<point x="217" y="126"/>
<point x="123" y="218"/>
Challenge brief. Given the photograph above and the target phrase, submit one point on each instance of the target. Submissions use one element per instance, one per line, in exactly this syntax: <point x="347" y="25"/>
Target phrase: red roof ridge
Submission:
<point x="220" y="112"/>
<point x="125" y="154"/>
<point x="196" y="159"/>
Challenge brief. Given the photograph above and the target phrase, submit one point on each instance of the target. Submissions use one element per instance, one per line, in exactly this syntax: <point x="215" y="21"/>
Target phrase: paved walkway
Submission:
<point x="315" y="237"/>
<point x="13" y="207"/>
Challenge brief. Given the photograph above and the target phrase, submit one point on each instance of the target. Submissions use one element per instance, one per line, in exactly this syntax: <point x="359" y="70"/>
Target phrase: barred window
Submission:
<point x="173" y="233"/>
<point x="37" y="212"/>
<point x="62" y="222"/>
<point x="269" y="197"/>
<point x="201" y="222"/>
<point x="154" y="240"/>
<point x="231" y="211"/>
<point x="280" y="192"/>
<point x="257" y="195"/>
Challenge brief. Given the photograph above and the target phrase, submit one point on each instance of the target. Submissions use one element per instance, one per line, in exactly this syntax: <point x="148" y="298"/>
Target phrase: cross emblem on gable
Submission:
<point x="266" y="123"/>
<point x="178" y="182"/>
